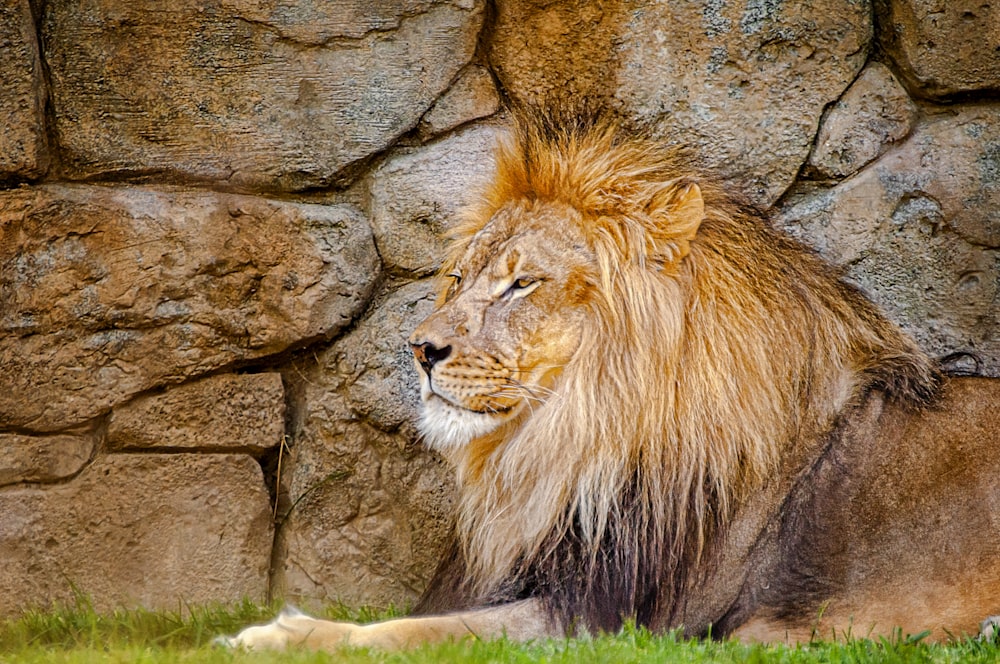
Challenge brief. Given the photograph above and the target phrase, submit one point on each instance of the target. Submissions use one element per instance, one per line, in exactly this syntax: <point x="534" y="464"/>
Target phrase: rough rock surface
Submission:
<point x="159" y="531"/>
<point x="237" y="413"/>
<point x="42" y="458"/>
<point x="106" y="292"/>
<point x="919" y="229"/>
<point x="373" y="364"/>
<point x="471" y="97"/>
<point x="943" y="48"/>
<point x="745" y="82"/>
<point x="414" y="197"/>
<point x="371" y="507"/>
<point x="874" y="113"/>
<point x="271" y="93"/>
<point x="23" y="152"/>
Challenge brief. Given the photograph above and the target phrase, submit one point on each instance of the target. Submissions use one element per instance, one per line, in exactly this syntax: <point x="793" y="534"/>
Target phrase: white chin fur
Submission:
<point x="446" y="426"/>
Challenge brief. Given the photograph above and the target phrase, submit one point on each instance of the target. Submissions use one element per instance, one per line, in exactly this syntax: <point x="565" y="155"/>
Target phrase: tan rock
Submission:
<point x="942" y="48"/>
<point x="370" y="532"/>
<point x="744" y="83"/>
<point x="106" y="292"/>
<point x="23" y="150"/>
<point x="159" y="531"/>
<point x="471" y="97"/>
<point x="255" y="93"/>
<point x="874" y="113"/>
<point x="42" y="458"/>
<point x="371" y="508"/>
<point x="920" y="230"/>
<point x="415" y="196"/>
<point x="236" y="413"/>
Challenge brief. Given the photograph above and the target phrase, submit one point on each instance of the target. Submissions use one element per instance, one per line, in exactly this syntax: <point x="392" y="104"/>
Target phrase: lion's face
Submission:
<point x="510" y="317"/>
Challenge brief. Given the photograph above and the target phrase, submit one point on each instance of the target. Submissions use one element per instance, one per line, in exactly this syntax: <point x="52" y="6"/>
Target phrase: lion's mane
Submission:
<point x="696" y="379"/>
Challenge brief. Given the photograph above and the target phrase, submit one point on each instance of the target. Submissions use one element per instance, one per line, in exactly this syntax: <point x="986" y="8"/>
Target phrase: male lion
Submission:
<point x="661" y="409"/>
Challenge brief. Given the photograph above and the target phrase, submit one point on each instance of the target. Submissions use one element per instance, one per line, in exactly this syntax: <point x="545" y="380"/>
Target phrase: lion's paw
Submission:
<point x="258" y="637"/>
<point x="293" y="628"/>
<point x="275" y="635"/>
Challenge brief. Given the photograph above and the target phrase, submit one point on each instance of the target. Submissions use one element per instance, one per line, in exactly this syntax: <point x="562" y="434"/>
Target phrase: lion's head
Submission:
<point x="620" y="352"/>
<point x="513" y="314"/>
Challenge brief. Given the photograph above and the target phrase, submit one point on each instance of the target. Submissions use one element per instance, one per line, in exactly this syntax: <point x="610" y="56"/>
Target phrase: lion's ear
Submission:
<point x="676" y="212"/>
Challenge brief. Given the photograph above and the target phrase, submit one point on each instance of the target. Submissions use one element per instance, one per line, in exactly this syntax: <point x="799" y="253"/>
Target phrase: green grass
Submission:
<point x="78" y="634"/>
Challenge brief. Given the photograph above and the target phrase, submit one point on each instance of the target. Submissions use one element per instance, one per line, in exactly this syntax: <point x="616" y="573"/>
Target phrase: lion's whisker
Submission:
<point x="517" y="391"/>
<point x="518" y="383"/>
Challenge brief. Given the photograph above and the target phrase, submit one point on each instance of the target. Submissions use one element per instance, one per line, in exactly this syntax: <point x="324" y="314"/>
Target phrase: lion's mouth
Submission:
<point x="488" y="410"/>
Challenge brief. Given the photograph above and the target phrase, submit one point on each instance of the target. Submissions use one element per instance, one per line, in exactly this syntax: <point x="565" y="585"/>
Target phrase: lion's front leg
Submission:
<point x="520" y="621"/>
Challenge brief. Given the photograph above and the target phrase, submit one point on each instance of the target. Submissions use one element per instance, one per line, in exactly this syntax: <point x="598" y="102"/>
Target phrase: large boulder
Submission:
<point x="159" y="531"/>
<point x="106" y="292"/>
<point x="371" y="508"/>
<point x="23" y="149"/>
<point x="920" y="230"/>
<point x="251" y="93"/>
<point x="743" y="82"/>
<point x="942" y="49"/>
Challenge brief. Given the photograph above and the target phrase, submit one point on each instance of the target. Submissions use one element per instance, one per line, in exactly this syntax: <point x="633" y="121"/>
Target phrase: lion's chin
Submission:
<point x="446" y="426"/>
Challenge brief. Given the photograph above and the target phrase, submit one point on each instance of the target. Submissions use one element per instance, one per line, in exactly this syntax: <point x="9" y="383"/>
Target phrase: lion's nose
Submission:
<point x="428" y="354"/>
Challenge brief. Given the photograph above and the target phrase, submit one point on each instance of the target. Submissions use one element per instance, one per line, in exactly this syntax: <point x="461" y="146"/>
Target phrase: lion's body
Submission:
<point x="894" y="525"/>
<point x="659" y="408"/>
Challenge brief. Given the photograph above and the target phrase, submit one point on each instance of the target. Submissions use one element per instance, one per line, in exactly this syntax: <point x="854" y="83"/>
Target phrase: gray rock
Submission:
<point x="942" y="49"/>
<point x="23" y="147"/>
<point x="471" y="97"/>
<point x="235" y="413"/>
<point x="874" y="113"/>
<point x="159" y="531"/>
<point x="744" y="83"/>
<point x="257" y="94"/>
<point x="416" y="195"/>
<point x="919" y="229"/>
<point x="42" y="458"/>
<point x="374" y="365"/>
<point x="106" y="292"/>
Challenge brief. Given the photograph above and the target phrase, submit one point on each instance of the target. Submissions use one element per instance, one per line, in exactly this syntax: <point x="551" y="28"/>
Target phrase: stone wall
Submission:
<point x="217" y="218"/>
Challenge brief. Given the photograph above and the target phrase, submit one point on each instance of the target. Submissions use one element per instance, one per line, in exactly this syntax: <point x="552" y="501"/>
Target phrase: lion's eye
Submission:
<point x="523" y="282"/>
<point x="522" y="286"/>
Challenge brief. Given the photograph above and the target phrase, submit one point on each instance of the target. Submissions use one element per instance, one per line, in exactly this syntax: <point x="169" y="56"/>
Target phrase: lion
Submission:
<point x="662" y="410"/>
